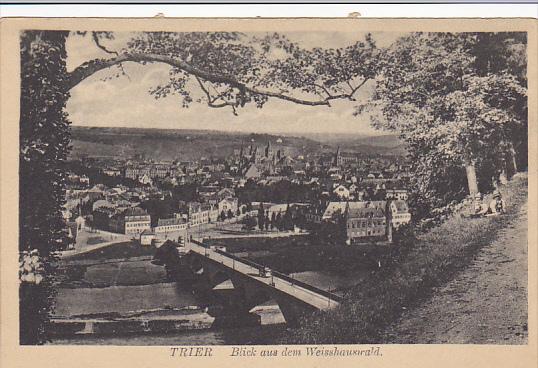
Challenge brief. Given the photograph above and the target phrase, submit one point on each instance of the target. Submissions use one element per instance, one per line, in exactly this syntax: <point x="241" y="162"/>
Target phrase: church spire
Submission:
<point x="336" y="156"/>
<point x="268" y="149"/>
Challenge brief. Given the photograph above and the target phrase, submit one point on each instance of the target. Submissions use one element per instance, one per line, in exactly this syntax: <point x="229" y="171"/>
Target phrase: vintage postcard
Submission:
<point x="218" y="192"/>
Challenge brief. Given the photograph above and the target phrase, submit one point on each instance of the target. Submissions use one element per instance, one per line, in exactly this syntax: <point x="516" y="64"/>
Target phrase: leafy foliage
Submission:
<point x="44" y="145"/>
<point x="234" y="69"/>
<point x="455" y="101"/>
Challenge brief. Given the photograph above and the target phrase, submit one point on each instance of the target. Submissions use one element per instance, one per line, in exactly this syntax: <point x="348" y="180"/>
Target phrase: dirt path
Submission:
<point x="485" y="304"/>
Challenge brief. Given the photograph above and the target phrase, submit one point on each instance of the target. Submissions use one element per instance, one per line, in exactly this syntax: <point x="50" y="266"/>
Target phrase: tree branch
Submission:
<point x="323" y="88"/>
<point x="211" y="100"/>
<point x="88" y="68"/>
<point x="95" y="37"/>
<point x="349" y="95"/>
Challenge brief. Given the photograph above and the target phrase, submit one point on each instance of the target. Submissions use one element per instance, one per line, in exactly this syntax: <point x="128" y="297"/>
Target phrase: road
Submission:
<point x="319" y="301"/>
<point x="485" y="304"/>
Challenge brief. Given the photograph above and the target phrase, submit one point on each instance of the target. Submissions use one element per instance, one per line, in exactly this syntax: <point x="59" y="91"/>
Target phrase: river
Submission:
<point x="132" y="298"/>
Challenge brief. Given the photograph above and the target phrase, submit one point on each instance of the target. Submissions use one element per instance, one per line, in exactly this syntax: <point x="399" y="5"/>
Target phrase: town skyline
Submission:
<point x="317" y="136"/>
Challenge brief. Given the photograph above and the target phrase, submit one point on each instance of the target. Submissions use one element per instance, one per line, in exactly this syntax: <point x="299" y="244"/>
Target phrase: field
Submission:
<point x="126" y="263"/>
<point x="120" y="300"/>
<point x="127" y="249"/>
<point x="116" y="279"/>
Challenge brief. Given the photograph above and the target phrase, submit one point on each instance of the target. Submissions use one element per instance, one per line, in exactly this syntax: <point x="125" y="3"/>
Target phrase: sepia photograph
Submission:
<point x="339" y="189"/>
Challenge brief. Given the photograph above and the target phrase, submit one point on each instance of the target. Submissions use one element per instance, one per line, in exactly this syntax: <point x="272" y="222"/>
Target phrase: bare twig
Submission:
<point x="211" y="100"/>
<point x="98" y="43"/>
<point x="95" y="37"/>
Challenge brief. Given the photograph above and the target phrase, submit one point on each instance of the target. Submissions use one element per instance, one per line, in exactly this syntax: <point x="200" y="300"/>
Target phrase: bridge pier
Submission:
<point x="238" y="288"/>
<point x="292" y="310"/>
<point x="249" y="293"/>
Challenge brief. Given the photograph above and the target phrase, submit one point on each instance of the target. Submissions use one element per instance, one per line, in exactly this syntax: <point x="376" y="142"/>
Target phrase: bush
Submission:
<point x="249" y="222"/>
<point x="404" y="235"/>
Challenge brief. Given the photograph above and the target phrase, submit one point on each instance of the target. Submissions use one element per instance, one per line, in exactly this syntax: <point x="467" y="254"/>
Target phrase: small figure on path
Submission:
<point x="478" y="208"/>
<point x="497" y="205"/>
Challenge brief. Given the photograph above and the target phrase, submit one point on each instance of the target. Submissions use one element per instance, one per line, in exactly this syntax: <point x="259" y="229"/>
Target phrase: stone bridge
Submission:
<point x="243" y="285"/>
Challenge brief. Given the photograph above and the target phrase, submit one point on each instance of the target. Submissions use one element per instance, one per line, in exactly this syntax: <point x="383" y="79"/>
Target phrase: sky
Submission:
<point x="125" y="101"/>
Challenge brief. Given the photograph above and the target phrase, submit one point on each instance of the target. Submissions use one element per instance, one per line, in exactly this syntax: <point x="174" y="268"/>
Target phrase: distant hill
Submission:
<point x="382" y="144"/>
<point x="188" y="144"/>
<point x="388" y="144"/>
<point x="171" y="144"/>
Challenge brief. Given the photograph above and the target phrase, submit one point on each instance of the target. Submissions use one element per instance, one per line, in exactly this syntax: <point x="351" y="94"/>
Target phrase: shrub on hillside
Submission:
<point x="404" y="235"/>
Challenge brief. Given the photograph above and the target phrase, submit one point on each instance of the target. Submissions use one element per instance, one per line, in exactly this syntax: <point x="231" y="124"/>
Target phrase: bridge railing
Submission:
<point x="280" y="275"/>
<point x="309" y="287"/>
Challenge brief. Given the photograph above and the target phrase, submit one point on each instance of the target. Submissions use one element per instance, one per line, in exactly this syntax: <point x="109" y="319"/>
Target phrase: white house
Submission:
<point x="400" y="213"/>
<point x="202" y="213"/>
<point x="228" y="204"/>
<point x="146" y="237"/>
<point x="145" y="179"/>
<point x="342" y="192"/>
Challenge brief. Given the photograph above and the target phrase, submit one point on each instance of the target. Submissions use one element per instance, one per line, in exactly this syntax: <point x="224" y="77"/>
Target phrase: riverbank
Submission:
<point x="259" y="335"/>
<point x="155" y="321"/>
<point x="433" y="260"/>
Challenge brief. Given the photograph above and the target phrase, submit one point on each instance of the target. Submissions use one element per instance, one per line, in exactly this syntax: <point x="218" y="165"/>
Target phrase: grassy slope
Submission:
<point x="432" y="261"/>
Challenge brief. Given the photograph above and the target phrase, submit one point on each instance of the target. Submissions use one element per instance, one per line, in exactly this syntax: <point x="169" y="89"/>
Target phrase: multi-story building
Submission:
<point x="341" y="207"/>
<point x="112" y="172"/>
<point x="201" y="213"/>
<point x="152" y="171"/>
<point x="365" y="219"/>
<point x="400" y="214"/>
<point x="344" y="159"/>
<point x="365" y="223"/>
<point x="132" y="221"/>
<point x="397" y="194"/>
<point x="168" y="225"/>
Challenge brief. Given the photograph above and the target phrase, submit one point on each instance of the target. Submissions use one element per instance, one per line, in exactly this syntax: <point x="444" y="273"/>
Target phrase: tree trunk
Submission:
<point x="512" y="161"/>
<point x="471" y="178"/>
<point x="503" y="176"/>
